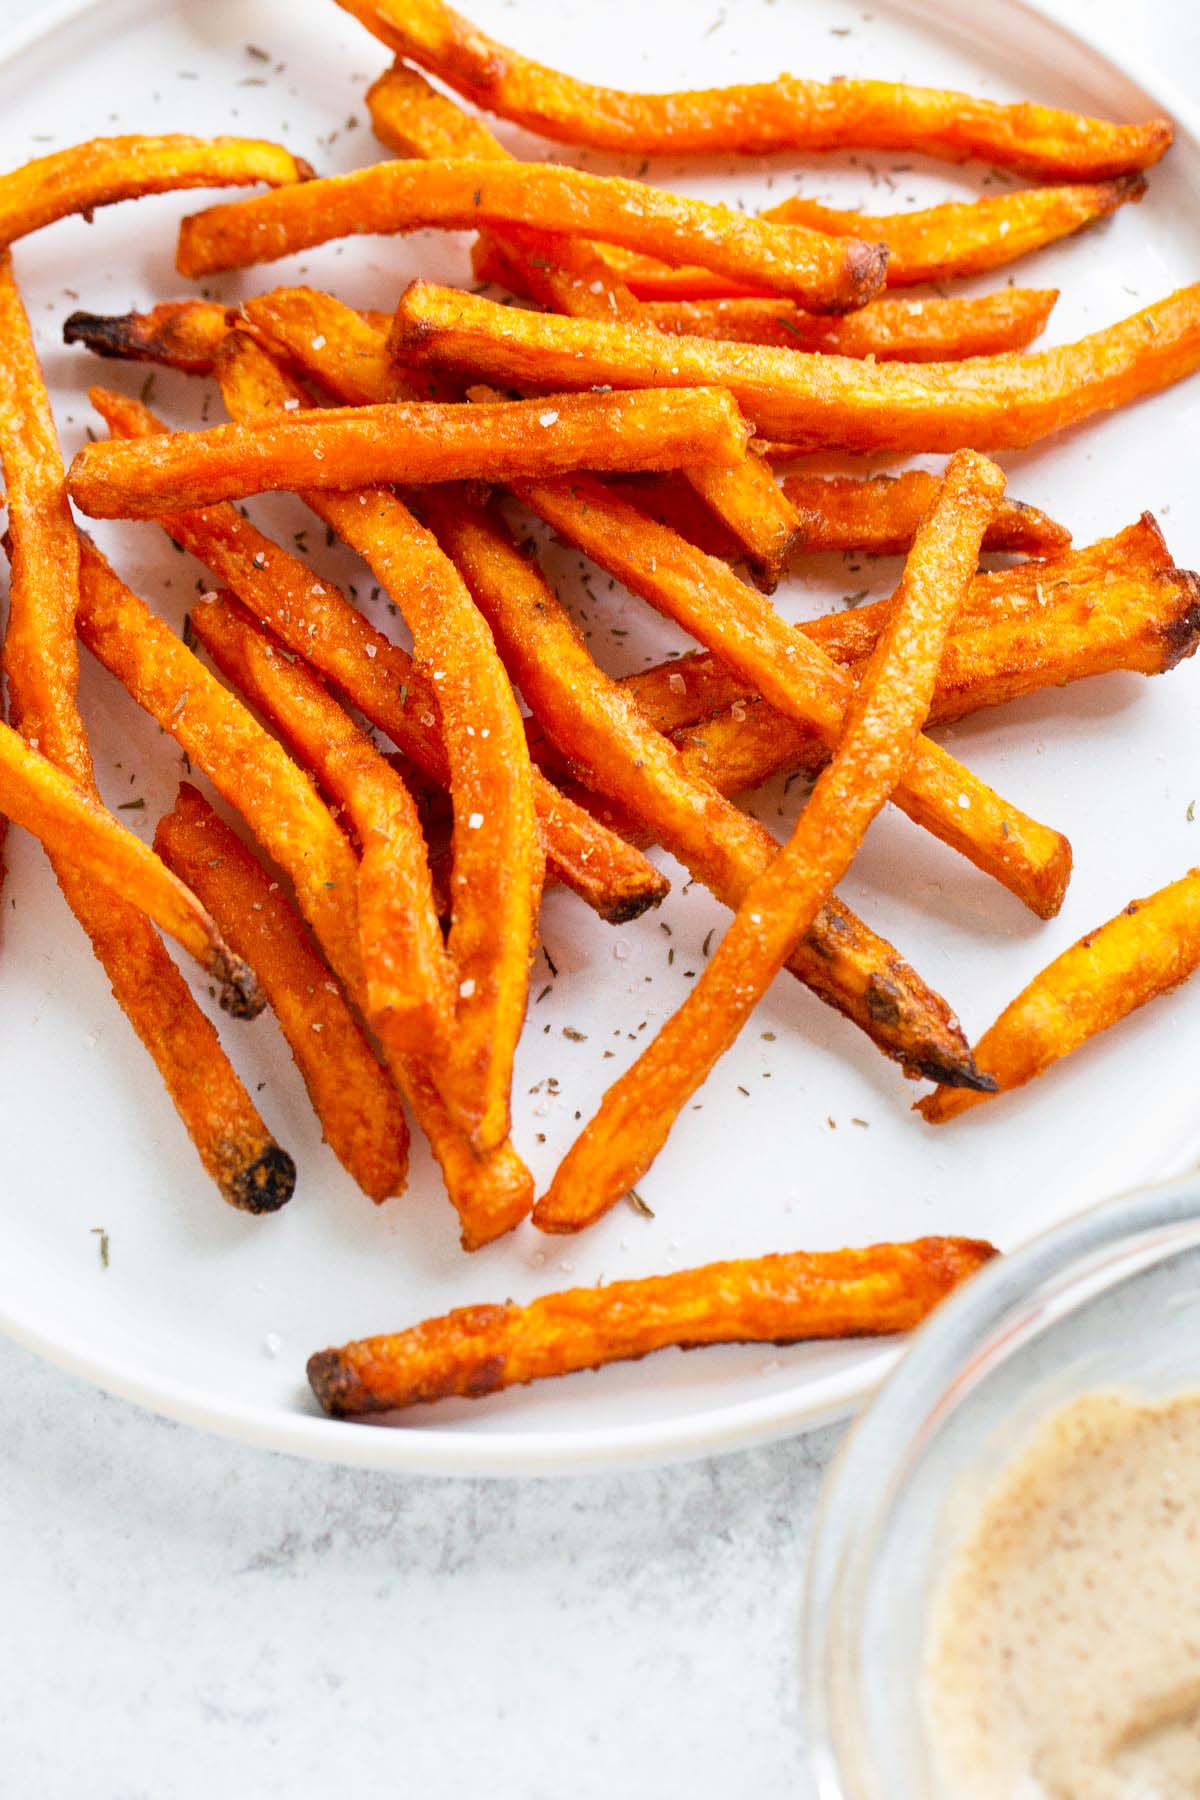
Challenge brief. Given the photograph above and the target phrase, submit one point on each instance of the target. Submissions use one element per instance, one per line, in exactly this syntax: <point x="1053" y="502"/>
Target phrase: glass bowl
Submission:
<point x="1111" y="1299"/>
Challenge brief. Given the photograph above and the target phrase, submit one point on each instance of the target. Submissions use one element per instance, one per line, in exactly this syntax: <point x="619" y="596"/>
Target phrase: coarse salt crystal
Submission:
<point x="475" y="821"/>
<point x="964" y="800"/>
<point x="371" y="650"/>
<point x="318" y="342"/>
<point x="621" y="949"/>
<point x="676" y="683"/>
<point x="547" y="418"/>
<point x="292" y="405"/>
<point x="466" y="988"/>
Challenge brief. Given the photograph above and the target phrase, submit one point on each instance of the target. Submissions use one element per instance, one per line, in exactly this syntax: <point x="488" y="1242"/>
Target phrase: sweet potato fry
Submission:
<point x="80" y="832"/>
<point x="314" y="619"/>
<point x="180" y="334"/>
<point x="349" y="447"/>
<point x="971" y="237"/>
<point x="850" y="967"/>
<point x="255" y="774"/>
<point x="498" y="863"/>
<point x="878" y="515"/>
<point x="784" y="114"/>
<point x="882" y="726"/>
<point x="820" y="402"/>
<point x="782" y="1299"/>
<point x="599" y="731"/>
<point x="1149" y="948"/>
<point x="105" y="170"/>
<point x="408" y="982"/>
<point x="828" y="274"/>
<point x="352" y="1095"/>
<point x="700" y="593"/>
<point x="1119" y="604"/>
<point x="251" y="1170"/>
<point x="890" y="330"/>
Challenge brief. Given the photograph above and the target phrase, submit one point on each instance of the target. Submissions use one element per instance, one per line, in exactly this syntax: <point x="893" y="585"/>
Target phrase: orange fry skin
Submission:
<point x="257" y="777"/>
<point x="700" y="593"/>
<point x="315" y="620"/>
<point x="96" y="847"/>
<point x="105" y="170"/>
<point x="1149" y="948"/>
<point x="350" y="447"/>
<point x="360" y="1112"/>
<point x="879" y="514"/>
<point x="408" y="981"/>
<point x="882" y="725"/>
<point x="179" y="334"/>
<point x="890" y="330"/>
<point x="971" y="237"/>
<point x="784" y="114"/>
<point x="827" y="274"/>
<point x="781" y="1299"/>
<point x="251" y="1171"/>
<point x="813" y="401"/>
<point x="498" y="864"/>
<point x="602" y="735"/>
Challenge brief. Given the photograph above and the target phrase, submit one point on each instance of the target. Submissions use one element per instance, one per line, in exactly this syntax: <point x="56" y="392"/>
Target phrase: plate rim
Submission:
<point x="426" y="1449"/>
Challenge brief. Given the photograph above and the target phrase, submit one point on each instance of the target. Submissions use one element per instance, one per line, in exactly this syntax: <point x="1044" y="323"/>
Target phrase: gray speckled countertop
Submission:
<point x="185" y="1617"/>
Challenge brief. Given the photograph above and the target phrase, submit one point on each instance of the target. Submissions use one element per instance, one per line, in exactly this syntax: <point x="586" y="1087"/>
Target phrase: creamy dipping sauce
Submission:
<point x="1064" y="1659"/>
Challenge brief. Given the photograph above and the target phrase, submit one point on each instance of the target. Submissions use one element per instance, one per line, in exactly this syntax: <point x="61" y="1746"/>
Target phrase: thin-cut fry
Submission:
<point x="181" y="334"/>
<point x="571" y="275"/>
<point x="597" y="727"/>
<point x="820" y="402"/>
<point x="968" y="237"/>
<point x="408" y="982"/>
<point x="1148" y="949"/>
<point x="851" y="968"/>
<point x="410" y="442"/>
<point x="251" y="1170"/>
<point x="498" y="863"/>
<point x="879" y="514"/>
<point x="1118" y="604"/>
<point x="882" y="726"/>
<point x="828" y="274"/>
<point x="782" y="1299"/>
<point x="316" y="620"/>
<point x="105" y="170"/>
<point x="784" y="114"/>
<point x="890" y="330"/>
<point x="700" y="593"/>
<point x="257" y="777"/>
<point x="353" y="1097"/>
<point x="88" y="840"/>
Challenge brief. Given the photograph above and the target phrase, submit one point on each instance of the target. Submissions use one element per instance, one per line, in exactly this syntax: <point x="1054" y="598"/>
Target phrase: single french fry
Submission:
<point x="75" y="828"/>
<point x="828" y="274"/>
<point x="890" y="330"/>
<point x="814" y="401"/>
<point x="179" y="334"/>
<point x="250" y="1169"/>
<point x="572" y="275"/>
<point x="781" y="1299"/>
<point x="352" y="1095"/>
<point x="848" y="966"/>
<point x="105" y="170"/>
<point x="882" y="726"/>
<point x="598" y="729"/>
<point x="315" y="619"/>
<point x="349" y="447"/>
<point x="702" y="595"/>
<point x="1118" y="604"/>
<point x="408" y="981"/>
<point x="1149" y="948"/>
<point x="278" y="802"/>
<point x="969" y="237"/>
<point x="878" y="515"/>
<point x="784" y="114"/>
<point x="498" y="863"/>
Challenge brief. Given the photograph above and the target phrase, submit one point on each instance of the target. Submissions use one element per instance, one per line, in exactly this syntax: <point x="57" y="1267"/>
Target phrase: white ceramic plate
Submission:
<point x="805" y="1137"/>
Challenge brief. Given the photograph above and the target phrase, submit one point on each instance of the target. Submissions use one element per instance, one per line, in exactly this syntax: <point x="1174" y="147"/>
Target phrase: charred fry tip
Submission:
<point x="866" y="270"/>
<point x="1181" y="634"/>
<point x="241" y="996"/>
<point x="264" y="1185"/>
<point x="625" y="910"/>
<point x="336" y="1385"/>
<point x="962" y="1075"/>
<point x="108" y="334"/>
<point x="304" y="169"/>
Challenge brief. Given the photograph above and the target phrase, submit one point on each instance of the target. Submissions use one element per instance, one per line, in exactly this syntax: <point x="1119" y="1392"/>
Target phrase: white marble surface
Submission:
<point x="185" y="1617"/>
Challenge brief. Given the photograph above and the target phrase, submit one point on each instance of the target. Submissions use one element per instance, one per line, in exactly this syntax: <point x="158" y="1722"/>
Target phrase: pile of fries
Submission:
<point x="667" y="356"/>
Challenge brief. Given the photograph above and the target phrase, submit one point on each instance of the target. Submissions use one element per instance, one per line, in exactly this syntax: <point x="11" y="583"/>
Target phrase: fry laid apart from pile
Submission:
<point x="783" y="1299"/>
<point x="634" y="407"/>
